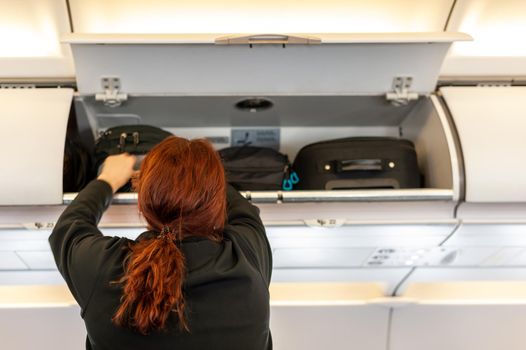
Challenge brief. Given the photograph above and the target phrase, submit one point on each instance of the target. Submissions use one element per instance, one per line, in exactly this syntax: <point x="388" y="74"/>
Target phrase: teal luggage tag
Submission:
<point x="289" y="183"/>
<point x="294" y="178"/>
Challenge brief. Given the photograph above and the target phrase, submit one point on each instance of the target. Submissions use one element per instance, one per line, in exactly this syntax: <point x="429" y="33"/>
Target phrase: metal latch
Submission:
<point x="111" y="96"/>
<point x="267" y="39"/>
<point x="122" y="141"/>
<point x="400" y="96"/>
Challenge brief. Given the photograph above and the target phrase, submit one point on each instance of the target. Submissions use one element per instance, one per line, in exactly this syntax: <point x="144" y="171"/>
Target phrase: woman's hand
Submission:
<point x="117" y="170"/>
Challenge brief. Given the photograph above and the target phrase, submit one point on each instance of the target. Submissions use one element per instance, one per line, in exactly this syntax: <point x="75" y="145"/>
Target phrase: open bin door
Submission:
<point x="33" y="126"/>
<point x="215" y="64"/>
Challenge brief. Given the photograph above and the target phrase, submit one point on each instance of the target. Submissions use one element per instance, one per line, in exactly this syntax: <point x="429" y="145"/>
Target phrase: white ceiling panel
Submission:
<point x="489" y="235"/>
<point x="29" y="277"/>
<point x="387" y="277"/>
<point x="320" y="258"/>
<point x="270" y="16"/>
<point x="38" y="260"/>
<point x="30" y="32"/>
<point x="498" y="29"/>
<point x="10" y="261"/>
<point x="468" y="274"/>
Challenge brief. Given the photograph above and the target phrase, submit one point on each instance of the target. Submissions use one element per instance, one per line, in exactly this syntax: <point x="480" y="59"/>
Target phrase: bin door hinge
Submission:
<point x="401" y="94"/>
<point x="111" y="97"/>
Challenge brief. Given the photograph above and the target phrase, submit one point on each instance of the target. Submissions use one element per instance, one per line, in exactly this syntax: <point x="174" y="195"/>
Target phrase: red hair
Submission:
<point x="182" y="192"/>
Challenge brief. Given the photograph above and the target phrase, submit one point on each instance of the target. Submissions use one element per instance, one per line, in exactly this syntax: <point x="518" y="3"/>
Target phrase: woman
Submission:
<point x="197" y="279"/>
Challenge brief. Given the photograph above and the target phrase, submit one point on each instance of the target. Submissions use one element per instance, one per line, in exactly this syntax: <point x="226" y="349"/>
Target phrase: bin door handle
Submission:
<point x="267" y="39"/>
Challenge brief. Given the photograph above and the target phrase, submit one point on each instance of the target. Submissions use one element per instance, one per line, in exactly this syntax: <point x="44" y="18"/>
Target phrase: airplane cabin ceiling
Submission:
<point x="31" y="29"/>
<point x="270" y="16"/>
<point x="498" y="28"/>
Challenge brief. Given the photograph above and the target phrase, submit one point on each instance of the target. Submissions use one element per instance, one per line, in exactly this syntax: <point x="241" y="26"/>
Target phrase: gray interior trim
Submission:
<point x="369" y="195"/>
<point x="316" y="196"/>
<point x="424" y="127"/>
<point x="457" y="156"/>
<point x="42" y="82"/>
<point x="475" y="80"/>
<point x="455" y="150"/>
<point x="217" y="111"/>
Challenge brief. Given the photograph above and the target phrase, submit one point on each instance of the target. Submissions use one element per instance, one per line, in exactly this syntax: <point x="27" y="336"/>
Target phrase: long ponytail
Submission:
<point x="178" y="177"/>
<point x="153" y="285"/>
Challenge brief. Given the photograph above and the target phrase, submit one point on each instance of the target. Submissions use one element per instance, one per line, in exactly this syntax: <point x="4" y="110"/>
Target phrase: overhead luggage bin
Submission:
<point x="332" y="312"/>
<point x="350" y="309"/>
<point x="41" y="308"/>
<point x="490" y="123"/>
<point x="480" y="284"/>
<point x="318" y="87"/>
<point x="460" y="315"/>
<point x="491" y="239"/>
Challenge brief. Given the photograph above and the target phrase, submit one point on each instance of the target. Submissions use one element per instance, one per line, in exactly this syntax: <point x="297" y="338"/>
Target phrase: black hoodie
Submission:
<point x="226" y="286"/>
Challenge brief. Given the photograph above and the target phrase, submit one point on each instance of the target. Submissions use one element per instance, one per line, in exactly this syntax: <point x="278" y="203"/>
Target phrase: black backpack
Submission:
<point x="133" y="139"/>
<point x="251" y="168"/>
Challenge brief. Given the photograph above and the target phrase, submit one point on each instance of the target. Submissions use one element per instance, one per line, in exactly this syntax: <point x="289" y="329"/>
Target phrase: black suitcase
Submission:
<point x="357" y="163"/>
<point x="251" y="168"/>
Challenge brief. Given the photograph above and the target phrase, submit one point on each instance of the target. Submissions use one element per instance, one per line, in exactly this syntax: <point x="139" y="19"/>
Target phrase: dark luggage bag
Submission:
<point x="251" y="168"/>
<point x="357" y="163"/>
<point x="77" y="170"/>
<point x="133" y="139"/>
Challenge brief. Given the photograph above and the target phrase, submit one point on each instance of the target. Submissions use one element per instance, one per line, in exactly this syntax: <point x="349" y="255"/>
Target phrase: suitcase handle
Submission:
<point x="359" y="165"/>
